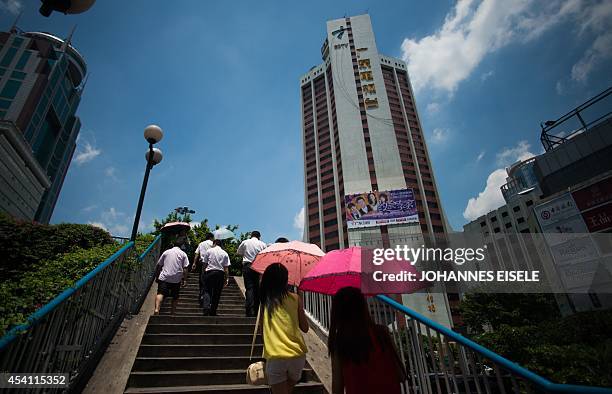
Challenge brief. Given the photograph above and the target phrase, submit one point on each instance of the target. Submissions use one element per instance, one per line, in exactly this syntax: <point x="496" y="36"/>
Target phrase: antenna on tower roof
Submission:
<point x="68" y="39"/>
<point x="13" y="28"/>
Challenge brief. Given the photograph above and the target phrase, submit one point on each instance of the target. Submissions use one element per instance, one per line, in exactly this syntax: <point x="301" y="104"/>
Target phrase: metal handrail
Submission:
<point x="550" y="141"/>
<point x="439" y="360"/>
<point x="71" y="332"/>
<point x="529" y="376"/>
<point x="63" y="296"/>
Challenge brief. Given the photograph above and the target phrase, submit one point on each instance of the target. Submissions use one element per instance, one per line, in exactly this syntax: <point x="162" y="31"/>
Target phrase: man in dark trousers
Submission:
<point x="248" y="249"/>
<point x="197" y="262"/>
<point x="216" y="262"/>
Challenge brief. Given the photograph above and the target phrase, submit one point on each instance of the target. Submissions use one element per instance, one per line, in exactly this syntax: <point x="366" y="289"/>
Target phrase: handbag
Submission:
<point x="256" y="372"/>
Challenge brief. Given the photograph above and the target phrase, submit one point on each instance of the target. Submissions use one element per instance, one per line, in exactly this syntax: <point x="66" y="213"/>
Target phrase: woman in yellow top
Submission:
<point x="284" y="321"/>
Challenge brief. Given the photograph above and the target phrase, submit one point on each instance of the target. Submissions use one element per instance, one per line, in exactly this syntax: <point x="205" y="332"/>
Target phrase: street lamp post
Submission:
<point x="184" y="211"/>
<point x="153" y="134"/>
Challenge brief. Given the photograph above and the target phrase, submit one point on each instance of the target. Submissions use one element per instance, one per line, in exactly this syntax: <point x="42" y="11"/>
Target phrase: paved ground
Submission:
<point x="113" y="370"/>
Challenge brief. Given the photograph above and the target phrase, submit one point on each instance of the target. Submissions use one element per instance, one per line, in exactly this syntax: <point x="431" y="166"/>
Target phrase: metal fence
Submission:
<point x="70" y="333"/>
<point x="586" y="116"/>
<point x="438" y="360"/>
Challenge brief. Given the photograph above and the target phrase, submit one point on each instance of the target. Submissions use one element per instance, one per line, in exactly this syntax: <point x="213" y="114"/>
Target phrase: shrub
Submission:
<point x="24" y="244"/>
<point x="23" y="295"/>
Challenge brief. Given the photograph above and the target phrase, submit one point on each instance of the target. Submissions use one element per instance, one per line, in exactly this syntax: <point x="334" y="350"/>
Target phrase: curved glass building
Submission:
<point x="41" y="82"/>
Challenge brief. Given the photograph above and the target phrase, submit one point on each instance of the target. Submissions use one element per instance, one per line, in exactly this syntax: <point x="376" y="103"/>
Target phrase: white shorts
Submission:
<point x="281" y="369"/>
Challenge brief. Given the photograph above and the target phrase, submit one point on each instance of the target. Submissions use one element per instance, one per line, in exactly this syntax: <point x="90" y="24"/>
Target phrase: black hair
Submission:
<point x="372" y="200"/>
<point x="383" y="195"/>
<point x="281" y="240"/>
<point x="255" y="234"/>
<point x="351" y="205"/>
<point x="273" y="287"/>
<point x="218" y="242"/>
<point x="210" y="236"/>
<point x="350" y="325"/>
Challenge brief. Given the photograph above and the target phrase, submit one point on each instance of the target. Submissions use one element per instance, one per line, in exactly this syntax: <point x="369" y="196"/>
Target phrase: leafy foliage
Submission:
<point x="24" y="244"/>
<point x="31" y="290"/>
<point x="197" y="234"/>
<point x="527" y="329"/>
<point x="40" y="261"/>
<point x="482" y="310"/>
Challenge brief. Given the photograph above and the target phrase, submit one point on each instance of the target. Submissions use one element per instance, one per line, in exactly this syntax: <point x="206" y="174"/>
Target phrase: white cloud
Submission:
<point x="480" y="156"/>
<point x="511" y="155"/>
<point x="98" y="224"/>
<point x="86" y="154"/>
<point x="439" y="135"/>
<point x="487" y="75"/>
<point x="472" y="30"/>
<point x="298" y="221"/>
<point x="433" y="108"/>
<point x="111" y="215"/>
<point x="110" y="172"/>
<point x="596" y="19"/>
<point x="489" y="199"/>
<point x="89" y="208"/>
<point x="559" y="88"/>
<point x="11" y="6"/>
<point x="120" y="224"/>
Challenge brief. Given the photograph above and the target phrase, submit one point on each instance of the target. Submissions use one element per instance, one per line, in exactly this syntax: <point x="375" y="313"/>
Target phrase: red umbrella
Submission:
<point x="353" y="267"/>
<point x="298" y="257"/>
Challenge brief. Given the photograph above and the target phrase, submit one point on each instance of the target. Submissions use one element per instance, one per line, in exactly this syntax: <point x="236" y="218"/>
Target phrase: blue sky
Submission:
<point x="222" y="80"/>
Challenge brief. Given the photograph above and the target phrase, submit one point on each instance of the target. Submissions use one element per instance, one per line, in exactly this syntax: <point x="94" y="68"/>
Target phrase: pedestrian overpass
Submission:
<point x="191" y="353"/>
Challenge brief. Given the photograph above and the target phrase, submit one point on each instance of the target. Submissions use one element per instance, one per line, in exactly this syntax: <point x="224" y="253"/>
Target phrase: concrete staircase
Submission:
<point x="191" y="353"/>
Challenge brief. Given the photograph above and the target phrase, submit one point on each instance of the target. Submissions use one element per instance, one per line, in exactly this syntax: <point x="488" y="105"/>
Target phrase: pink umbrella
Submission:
<point x="353" y="267"/>
<point x="298" y="257"/>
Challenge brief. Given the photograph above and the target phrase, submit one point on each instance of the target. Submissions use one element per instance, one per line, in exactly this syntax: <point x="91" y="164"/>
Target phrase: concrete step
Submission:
<point x="196" y="304"/>
<point x="195" y="378"/>
<point x="196" y="300"/>
<point x="228" y="314"/>
<point x="191" y="363"/>
<point x="184" y="309"/>
<point x="301" y="388"/>
<point x="200" y="328"/>
<point x="233" y="350"/>
<point x="198" y="339"/>
<point x="199" y="319"/>
<point x="226" y="290"/>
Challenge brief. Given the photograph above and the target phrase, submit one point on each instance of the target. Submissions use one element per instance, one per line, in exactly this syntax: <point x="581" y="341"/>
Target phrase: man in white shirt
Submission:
<point x="198" y="264"/>
<point x="216" y="260"/>
<point x="249" y="249"/>
<point x="171" y="272"/>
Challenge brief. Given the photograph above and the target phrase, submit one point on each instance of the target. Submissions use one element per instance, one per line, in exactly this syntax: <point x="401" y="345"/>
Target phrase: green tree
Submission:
<point x="197" y="233"/>
<point x="481" y="311"/>
<point x="528" y="329"/>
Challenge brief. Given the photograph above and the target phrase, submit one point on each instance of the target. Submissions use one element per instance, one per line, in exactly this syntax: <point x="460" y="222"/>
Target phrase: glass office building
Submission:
<point x="41" y="82"/>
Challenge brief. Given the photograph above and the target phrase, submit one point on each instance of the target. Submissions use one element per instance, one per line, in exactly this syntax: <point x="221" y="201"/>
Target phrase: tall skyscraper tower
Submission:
<point x="41" y="82"/>
<point x="362" y="136"/>
<point x="361" y="133"/>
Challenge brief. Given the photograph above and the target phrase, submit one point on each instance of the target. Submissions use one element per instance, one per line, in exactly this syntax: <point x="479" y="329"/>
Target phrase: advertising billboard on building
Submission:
<point x="380" y="208"/>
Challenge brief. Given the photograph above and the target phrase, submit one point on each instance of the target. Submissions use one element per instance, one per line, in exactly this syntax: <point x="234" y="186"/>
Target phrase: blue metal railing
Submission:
<point x="70" y="333"/>
<point x="439" y="360"/>
<point x="470" y="378"/>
